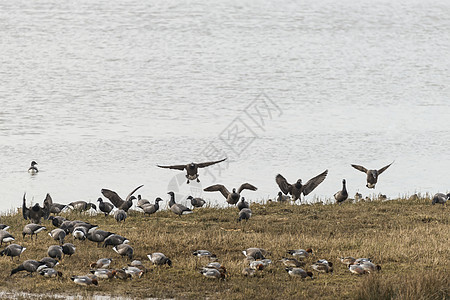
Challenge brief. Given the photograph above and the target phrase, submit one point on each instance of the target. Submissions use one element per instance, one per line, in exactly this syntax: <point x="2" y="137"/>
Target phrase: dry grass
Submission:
<point x="409" y="238"/>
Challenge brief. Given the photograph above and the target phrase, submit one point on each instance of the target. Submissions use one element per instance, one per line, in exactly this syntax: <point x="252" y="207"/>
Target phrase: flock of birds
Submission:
<point x="81" y="230"/>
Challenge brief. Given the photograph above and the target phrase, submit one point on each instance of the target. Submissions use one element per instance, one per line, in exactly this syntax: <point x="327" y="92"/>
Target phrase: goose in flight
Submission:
<point x="192" y="168"/>
<point x="298" y="188"/>
<point x="119" y="202"/>
<point x="372" y="175"/>
<point x="234" y="196"/>
<point x="35" y="213"/>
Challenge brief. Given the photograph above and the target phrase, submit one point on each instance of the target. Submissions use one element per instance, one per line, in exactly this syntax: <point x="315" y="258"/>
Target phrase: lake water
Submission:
<point x="99" y="92"/>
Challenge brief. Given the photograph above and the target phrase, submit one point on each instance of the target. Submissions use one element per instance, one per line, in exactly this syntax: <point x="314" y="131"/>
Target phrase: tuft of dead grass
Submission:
<point x="408" y="237"/>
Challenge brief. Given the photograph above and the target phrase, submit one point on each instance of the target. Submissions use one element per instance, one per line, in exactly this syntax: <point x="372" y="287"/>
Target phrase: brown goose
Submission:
<point x="297" y="189"/>
<point x="5" y="237"/>
<point x="192" y="168"/>
<point x="82" y="205"/>
<point x="151" y="208"/>
<point x="13" y="250"/>
<point x="117" y="201"/>
<point x="178" y="209"/>
<point x="342" y="195"/>
<point x="35" y="213"/>
<point x="32" y="229"/>
<point x="233" y="197"/>
<point x="105" y="207"/>
<point x="29" y="266"/>
<point x="372" y="175"/>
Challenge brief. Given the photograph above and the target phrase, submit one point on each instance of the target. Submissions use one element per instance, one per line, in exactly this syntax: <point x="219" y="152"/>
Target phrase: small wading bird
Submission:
<point x="32" y="169"/>
<point x="35" y="213"/>
<point x="234" y="196"/>
<point x="117" y="201"/>
<point x="372" y="175"/>
<point x="296" y="189"/>
<point x="192" y="168"/>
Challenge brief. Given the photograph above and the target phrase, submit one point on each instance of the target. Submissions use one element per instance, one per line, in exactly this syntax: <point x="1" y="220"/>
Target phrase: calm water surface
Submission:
<point x="99" y="92"/>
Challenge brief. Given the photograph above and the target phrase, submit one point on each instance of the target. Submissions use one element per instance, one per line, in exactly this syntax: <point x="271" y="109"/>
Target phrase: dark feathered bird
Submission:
<point x="124" y="250"/>
<point x="5" y="237"/>
<point x="120" y="215"/>
<point x="192" y="168"/>
<point x="82" y="205"/>
<point x="98" y="236"/>
<point x="57" y="220"/>
<point x="151" y="208"/>
<point x="233" y="197"/>
<point x="32" y="229"/>
<point x="196" y="202"/>
<point x="56" y="208"/>
<point x="105" y="207"/>
<point x="297" y="189"/>
<point x="119" y="202"/>
<point x="13" y="250"/>
<point x="245" y="214"/>
<point x="178" y="209"/>
<point x="33" y="169"/>
<point x="243" y="204"/>
<point x="342" y="195"/>
<point x="35" y="213"/>
<point x="440" y="198"/>
<point x="68" y="249"/>
<point x="372" y="175"/>
<point x="114" y="240"/>
<point x="30" y="266"/>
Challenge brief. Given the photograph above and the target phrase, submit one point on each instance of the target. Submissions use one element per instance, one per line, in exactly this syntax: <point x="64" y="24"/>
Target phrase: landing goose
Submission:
<point x="296" y="189"/>
<point x="233" y="197"/>
<point x="372" y="175"/>
<point x="192" y="168"/>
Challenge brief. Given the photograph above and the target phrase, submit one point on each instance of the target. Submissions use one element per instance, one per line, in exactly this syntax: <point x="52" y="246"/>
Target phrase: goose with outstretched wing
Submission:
<point x="119" y="202"/>
<point x="233" y="197"/>
<point x="192" y="168"/>
<point x="296" y="189"/>
<point x="372" y="175"/>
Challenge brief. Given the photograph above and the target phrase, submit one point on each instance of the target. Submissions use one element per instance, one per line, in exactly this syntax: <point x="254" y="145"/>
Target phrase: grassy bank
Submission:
<point x="409" y="238"/>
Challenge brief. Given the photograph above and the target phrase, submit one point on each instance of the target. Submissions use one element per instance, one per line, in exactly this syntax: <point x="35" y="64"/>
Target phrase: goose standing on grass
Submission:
<point x="120" y="215"/>
<point x="196" y="202"/>
<point x="32" y="229"/>
<point x="57" y="220"/>
<point x="114" y="240"/>
<point x="243" y="204"/>
<point x="35" y="213"/>
<point x="342" y="195"/>
<point x="105" y="207"/>
<point x="98" y="236"/>
<point x="33" y="169"/>
<point x="57" y="208"/>
<point x="30" y="266"/>
<point x="233" y="197"/>
<point x="5" y="237"/>
<point x="124" y="250"/>
<point x="79" y="233"/>
<point x="282" y="198"/>
<point x="152" y="208"/>
<point x="298" y="272"/>
<point x="117" y="201"/>
<point x="245" y="214"/>
<point x="440" y="198"/>
<point x="372" y="175"/>
<point x="141" y="202"/>
<point x="178" y="209"/>
<point x="297" y="189"/>
<point x="58" y="234"/>
<point x="55" y="251"/>
<point x="192" y="168"/>
<point x="49" y="262"/>
<point x="4" y="227"/>
<point x="84" y="280"/>
<point x="13" y="250"/>
<point x="159" y="259"/>
<point x="68" y="249"/>
<point x="82" y="205"/>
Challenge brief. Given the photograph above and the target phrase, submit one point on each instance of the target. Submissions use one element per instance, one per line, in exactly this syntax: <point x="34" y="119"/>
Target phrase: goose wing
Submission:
<point x="285" y="186"/>
<point x="218" y="187"/>
<point x="48" y="202"/>
<point x="132" y="192"/>
<point x="247" y="186"/>
<point x="113" y="197"/>
<point x="360" y="168"/>
<point x="205" y="164"/>
<point x="177" y="167"/>
<point x="25" y="210"/>
<point x="384" y="168"/>
<point x="314" y="182"/>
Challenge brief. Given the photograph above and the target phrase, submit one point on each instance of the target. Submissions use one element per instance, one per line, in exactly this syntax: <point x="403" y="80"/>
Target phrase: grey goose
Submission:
<point x="6" y="237"/>
<point x="298" y="188"/>
<point x="178" y="209"/>
<point x="30" y="266"/>
<point x="124" y="250"/>
<point x="440" y="198"/>
<point x="82" y="205"/>
<point x="55" y="251"/>
<point x="58" y="234"/>
<point x="372" y="175"/>
<point x="119" y="202"/>
<point x="68" y="249"/>
<point x="192" y="168"/>
<point x="35" y="213"/>
<point x="13" y="250"/>
<point x="342" y="195"/>
<point x="120" y="215"/>
<point x="105" y="207"/>
<point x="158" y="258"/>
<point x="245" y="214"/>
<point x="196" y="202"/>
<point x="151" y="208"/>
<point x="243" y="204"/>
<point x="114" y="240"/>
<point x="233" y="197"/>
<point x="32" y="229"/>
<point x="141" y="202"/>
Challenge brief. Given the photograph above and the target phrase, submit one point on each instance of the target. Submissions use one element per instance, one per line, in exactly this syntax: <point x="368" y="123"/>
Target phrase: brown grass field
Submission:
<point x="408" y="237"/>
